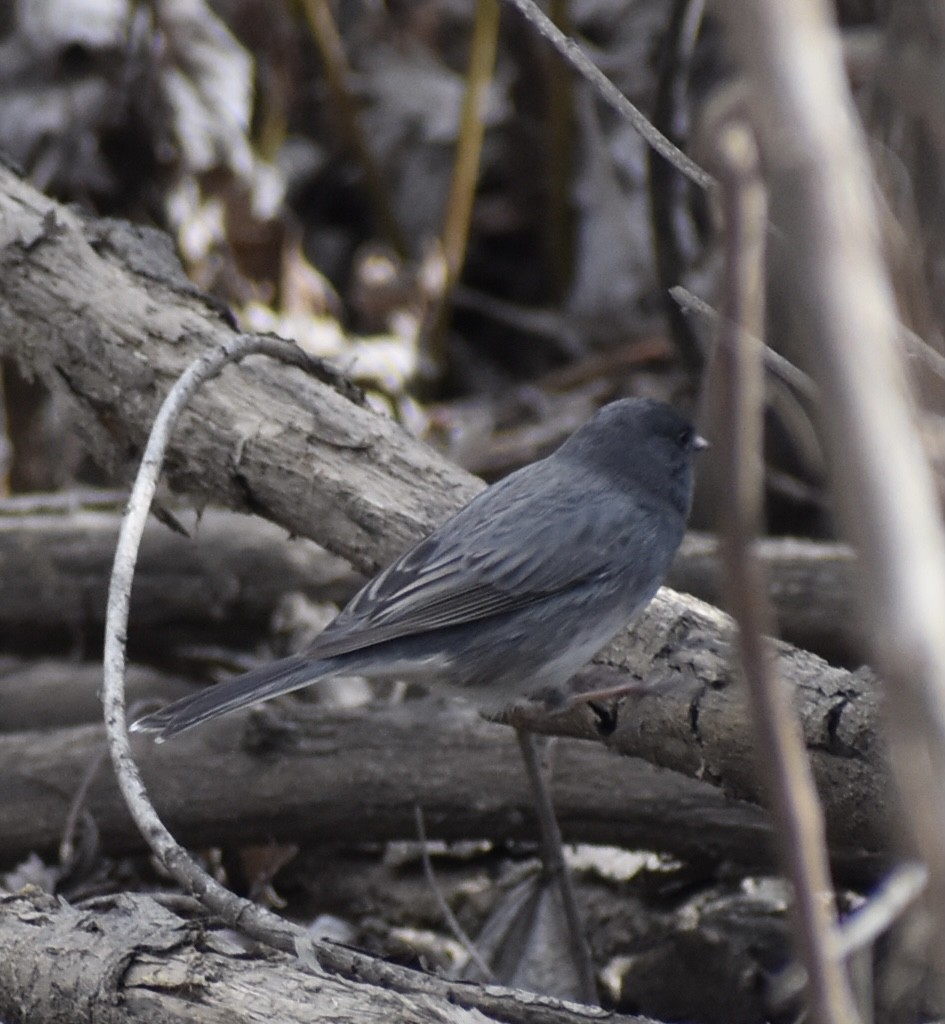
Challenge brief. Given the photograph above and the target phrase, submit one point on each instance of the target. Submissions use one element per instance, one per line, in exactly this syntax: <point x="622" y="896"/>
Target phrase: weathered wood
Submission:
<point x="102" y="311"/>
<point x="811" y="587"/>
<point x="130" y="961"/>
<point x="227" y="578"/>
<point x="313" y="775"/>
<point x="221" y="584"/>
<point x="319" y="776"/>
<point x="45" y="694"/>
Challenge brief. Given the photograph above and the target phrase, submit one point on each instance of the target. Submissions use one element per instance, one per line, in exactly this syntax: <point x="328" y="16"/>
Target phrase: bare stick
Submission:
<point x="774" y="361"/>
<point x="77" y="808"/>
<point x="459" y="206"/>
<point x="918" y="348"/>
<point x="903" y="886"/>
<point x="817" y="159"/>
<point x="459" y="933"/>
<point x="64" y="503"/>
<point x="611" y="94"/>
<point x="247" y="917"/>
<point x="864" y="926"/>
<point x="739" y="398"/>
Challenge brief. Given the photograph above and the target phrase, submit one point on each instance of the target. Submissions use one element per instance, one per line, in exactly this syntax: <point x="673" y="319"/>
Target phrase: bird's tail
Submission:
<point x="257" y="685"/>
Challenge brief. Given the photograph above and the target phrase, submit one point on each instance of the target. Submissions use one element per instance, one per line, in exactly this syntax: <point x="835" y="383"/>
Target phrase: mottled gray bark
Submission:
<point x="127" y="960"/>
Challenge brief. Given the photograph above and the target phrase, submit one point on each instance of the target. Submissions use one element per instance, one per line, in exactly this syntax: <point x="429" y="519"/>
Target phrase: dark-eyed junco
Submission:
<point x="515" y="592"/>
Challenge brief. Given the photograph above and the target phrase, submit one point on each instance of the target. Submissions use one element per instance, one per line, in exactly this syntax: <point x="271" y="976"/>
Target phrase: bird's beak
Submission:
<point x="699" y="443"/>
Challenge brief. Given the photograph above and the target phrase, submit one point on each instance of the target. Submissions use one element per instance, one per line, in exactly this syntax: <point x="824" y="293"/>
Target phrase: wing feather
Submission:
<point x="486" y="560"/>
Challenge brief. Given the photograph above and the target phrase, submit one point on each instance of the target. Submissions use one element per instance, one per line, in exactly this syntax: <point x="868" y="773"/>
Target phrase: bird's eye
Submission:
<point x="684" y="439"/>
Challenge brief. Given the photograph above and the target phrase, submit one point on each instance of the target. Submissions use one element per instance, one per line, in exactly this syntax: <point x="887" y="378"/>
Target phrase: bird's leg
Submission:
<point x="554" y="863"/>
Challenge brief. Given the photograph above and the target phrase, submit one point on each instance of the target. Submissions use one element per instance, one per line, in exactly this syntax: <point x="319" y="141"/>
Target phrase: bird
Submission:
<point x="506" y="600"/>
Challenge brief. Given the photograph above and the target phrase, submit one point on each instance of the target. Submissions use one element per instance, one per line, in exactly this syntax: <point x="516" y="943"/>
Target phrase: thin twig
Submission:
<point x="864" y="926"/>
<point x="739" y="401"/>
<point x="902" y="887"/>
<point x="774" y="361"/>
<point x="611" y="94"/>
<point x="64" y="503"/>
<point x="917" y="347"/>
<point x="459" y="933"/>
<point x="77" y="806"/>
<point x="455" y="237"/>
<point x="816" y="156"/>
<point x="920" y="350"/>
<point x="668" y="192"/>
<point x="479" y="75"/>
<point x="241" y="914"/>
<point x="560" y="162"/>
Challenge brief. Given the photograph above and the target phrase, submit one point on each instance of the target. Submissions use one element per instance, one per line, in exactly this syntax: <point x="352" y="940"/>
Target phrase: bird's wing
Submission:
<point x="494" y="556"/>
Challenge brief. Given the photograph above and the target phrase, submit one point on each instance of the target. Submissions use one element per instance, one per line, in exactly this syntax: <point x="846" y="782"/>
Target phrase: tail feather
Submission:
<point x="257" y="685"/>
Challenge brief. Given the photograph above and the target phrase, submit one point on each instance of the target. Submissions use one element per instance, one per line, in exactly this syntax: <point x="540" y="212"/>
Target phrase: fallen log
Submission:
<point x="128" y="960"/>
